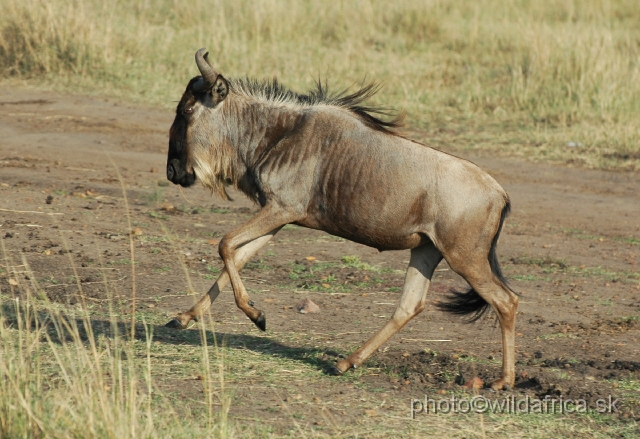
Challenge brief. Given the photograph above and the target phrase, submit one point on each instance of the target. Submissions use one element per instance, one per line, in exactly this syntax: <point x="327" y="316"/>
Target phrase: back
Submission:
<point x="364" y="179"/>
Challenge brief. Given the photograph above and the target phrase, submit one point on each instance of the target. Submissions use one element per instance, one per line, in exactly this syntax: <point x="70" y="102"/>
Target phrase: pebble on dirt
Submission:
<point x="307" y="307"/>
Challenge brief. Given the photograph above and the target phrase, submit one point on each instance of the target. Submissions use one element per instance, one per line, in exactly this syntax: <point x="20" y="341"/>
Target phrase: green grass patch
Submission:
<point x="553" y="265"/>
<point x="528" y="277"/>
<point x="546" y="261"/>
<point x="157" y="215"/>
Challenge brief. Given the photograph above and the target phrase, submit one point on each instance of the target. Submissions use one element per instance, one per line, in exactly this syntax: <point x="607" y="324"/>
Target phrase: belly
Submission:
<point x="377" y="226"/>
<point x="376" y="195"/>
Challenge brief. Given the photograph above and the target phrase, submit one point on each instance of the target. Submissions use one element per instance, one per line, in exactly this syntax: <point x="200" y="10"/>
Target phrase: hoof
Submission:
<point x="175" y="324"/>
<point x="334" y="371"/>
<point x="501" y="384"/>
<point x="261" y="322"/>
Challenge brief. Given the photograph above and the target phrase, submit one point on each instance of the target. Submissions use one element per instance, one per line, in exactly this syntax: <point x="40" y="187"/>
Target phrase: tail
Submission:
<point x="470" y="303"/>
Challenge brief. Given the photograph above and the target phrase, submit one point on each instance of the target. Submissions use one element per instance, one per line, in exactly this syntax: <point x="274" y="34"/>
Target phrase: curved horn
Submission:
<point x="209" y="76"/>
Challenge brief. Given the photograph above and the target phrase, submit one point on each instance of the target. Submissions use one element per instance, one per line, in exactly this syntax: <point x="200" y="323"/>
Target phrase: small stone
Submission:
<point x="13" y="282"/>
<point x="213" y="241"/>
<point x="370" y="412"/>
<point x="307" y="307"/>
<point x="49" y="199"/>
<point x="441" y="392"/>
<point x="137" y="231"/>
<point x="310" y="258"/>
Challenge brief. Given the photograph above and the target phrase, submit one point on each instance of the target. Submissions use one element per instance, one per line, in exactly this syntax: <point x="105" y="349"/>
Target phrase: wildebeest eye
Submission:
<point x="188" y="110"/>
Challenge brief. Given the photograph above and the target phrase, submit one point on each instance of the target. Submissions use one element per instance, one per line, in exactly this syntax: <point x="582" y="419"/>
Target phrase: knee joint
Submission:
<point x="224" y="250"/>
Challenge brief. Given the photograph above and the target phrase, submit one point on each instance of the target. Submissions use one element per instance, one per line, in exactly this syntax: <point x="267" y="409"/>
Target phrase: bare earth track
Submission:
<point x="571" y="247"/>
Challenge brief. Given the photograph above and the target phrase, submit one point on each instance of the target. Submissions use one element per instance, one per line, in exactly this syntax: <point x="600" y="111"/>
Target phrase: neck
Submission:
<point x="252" y="130"/>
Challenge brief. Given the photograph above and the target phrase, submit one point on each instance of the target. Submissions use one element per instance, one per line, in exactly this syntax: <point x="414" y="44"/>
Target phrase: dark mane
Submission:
<point x="273" y="91"/>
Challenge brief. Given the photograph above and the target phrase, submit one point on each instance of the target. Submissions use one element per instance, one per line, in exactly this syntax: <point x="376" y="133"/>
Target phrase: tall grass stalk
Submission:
<point x="63" y="374"/>
<point x="520" y="76"/>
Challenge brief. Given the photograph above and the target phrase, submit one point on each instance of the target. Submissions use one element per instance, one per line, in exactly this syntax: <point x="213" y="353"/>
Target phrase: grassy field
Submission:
<point x="555" y="80"/>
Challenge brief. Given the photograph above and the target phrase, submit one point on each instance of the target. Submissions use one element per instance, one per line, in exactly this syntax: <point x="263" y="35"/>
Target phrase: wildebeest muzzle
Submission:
<point x="177" y="174"/>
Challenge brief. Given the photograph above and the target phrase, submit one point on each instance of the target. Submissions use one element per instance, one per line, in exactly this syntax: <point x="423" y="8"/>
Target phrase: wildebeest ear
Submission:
<point x="219" y="90"/>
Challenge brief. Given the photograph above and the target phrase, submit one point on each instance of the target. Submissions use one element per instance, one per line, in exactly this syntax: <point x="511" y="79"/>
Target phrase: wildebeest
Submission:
<point x="328" y="162"/>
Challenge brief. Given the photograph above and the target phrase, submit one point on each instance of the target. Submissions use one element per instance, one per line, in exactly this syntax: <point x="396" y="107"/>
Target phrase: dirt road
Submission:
<point x="571" y="248"/>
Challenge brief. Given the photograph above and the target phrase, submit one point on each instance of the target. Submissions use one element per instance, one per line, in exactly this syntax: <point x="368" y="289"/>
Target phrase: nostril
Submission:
<point x="171" y="171"/>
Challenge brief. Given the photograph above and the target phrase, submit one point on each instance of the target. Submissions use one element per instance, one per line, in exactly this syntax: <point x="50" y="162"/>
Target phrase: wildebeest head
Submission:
<point x="203" y="95"/>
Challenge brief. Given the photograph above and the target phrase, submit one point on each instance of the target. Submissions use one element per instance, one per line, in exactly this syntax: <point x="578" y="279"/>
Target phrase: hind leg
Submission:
<point x="424" y="261"/>
<point x="477" y="272"/>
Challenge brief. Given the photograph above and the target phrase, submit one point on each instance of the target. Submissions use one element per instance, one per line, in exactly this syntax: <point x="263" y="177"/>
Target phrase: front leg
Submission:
<point x="269" y="218"/>
<point x="244" y="253"/>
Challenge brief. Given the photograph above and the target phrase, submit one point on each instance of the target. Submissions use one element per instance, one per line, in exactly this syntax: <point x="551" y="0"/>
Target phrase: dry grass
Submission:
<point x="524" y="78"/>
<point x="65" y="373"/>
